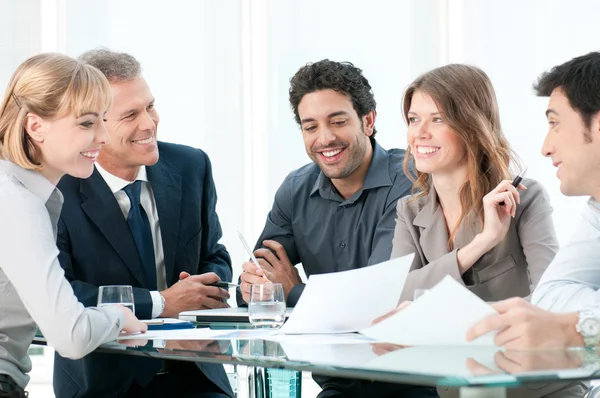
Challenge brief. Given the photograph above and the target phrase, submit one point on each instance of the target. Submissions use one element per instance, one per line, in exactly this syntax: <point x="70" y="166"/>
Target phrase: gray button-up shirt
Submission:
<point x="326" y="233"/>
<point x="33" y="288"/>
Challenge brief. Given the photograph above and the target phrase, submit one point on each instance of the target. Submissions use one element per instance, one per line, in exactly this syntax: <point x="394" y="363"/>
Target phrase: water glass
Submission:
<point x="419" y="292"/>
<point x="116" y="294"/>
<point x="266" y="307"/>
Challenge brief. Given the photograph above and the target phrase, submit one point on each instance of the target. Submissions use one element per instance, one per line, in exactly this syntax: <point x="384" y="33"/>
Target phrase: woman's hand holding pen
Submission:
<point x="499" y="206"/>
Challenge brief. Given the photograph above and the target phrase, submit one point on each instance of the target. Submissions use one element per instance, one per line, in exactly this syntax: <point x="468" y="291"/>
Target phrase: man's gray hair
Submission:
<point x="117" y="67"/>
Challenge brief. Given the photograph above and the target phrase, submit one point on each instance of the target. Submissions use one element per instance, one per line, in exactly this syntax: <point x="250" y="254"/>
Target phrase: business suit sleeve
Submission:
<point x="406" y="241"/>
<point x="87" y="293"/>
<point x="536" y="231"/>
<point x="214" y="256"/>
<point x="278" y="227"/>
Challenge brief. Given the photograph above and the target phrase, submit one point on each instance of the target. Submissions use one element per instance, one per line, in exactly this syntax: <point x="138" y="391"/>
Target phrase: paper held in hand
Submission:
<point x="441" y="317"/>
<point x="348" y="301"/>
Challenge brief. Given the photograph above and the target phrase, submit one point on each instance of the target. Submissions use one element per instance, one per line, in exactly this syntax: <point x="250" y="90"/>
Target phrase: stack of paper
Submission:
<point x="441" y="317"/>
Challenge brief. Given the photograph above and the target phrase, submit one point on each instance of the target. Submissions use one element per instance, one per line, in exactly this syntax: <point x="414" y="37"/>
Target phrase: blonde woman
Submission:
<point x="51" y="124"/>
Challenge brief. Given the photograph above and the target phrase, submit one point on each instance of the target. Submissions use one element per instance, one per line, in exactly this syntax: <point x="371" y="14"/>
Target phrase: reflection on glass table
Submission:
<point x="468" y="366"/>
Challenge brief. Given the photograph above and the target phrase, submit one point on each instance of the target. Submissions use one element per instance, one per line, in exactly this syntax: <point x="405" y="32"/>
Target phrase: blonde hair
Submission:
<point x="50" y="86"/>
<point x="466" y="98"/>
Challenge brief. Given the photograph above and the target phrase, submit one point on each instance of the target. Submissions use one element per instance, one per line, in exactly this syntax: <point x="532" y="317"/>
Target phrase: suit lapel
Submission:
<point x="101" y="207"/>
<point x="432" y="224"/>
<point x="166" y="188"/>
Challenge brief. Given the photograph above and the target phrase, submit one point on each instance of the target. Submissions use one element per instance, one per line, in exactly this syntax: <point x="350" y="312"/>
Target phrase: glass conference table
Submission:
<point x="474" y="371"/>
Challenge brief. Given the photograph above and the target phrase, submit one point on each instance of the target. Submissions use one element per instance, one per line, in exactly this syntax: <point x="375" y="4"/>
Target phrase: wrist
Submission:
<point x="163" y="303"/>
<point x="568" y="323"/>
<point x="484" y="242"/>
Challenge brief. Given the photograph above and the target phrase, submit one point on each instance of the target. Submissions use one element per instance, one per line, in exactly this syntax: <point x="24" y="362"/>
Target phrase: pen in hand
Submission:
<point x="517" y="181"/>
<point x="252" y="257"/>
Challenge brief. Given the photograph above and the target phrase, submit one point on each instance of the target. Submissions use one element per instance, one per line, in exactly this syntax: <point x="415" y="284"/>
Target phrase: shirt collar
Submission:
<point x="116" y="183"/>
<point x="32" y="180"/>
<point x="594" y="204"/>
<point x="378" y="174"/>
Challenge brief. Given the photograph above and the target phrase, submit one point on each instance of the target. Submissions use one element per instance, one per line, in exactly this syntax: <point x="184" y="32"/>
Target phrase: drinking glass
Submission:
<point x="266" y="308"/>
<point x="116" y="294"/>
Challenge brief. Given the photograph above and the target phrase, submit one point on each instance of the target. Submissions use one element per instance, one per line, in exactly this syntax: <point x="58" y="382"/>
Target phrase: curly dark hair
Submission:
<point x="579" y="79"/>
<point x="342" y="77"/>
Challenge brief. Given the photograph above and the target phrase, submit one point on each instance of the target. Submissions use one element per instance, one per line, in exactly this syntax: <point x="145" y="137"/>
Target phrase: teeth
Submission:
<point x="331" y="153"/>
<point x="144" y="141"/>
<point x="426" y="149"/>
<point x="91" y="155"/>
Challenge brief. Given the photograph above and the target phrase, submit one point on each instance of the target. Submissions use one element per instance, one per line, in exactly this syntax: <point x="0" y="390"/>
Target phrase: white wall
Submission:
<point x="220" y="71"/>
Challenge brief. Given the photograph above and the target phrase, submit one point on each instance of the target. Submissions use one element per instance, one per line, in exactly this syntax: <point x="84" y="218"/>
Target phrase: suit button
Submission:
<point x="343" y="245"/>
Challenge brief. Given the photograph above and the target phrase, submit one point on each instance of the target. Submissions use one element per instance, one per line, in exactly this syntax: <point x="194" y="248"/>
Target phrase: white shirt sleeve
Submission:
<point x="29" y="260"/>
<point x="157" y="307"/>
<point x="572" y="281"/>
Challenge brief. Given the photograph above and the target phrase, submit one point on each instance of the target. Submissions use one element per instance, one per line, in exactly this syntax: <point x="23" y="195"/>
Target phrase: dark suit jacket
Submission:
<point x="97" y="248"/>
<point x="512" y="268"/>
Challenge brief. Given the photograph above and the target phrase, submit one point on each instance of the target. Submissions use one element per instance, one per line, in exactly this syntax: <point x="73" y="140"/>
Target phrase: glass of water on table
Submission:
<point x="116" y="294"/>
<point x="266" y="308"/>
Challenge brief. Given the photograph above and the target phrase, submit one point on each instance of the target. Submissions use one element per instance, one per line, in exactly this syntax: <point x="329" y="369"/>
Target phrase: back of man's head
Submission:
<point x="117" y="67"/>
<point x="579" y="80"/>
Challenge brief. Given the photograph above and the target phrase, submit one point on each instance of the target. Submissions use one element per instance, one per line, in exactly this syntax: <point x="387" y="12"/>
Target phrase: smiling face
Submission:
<point x="335" y="138"/>
<point x="573" y="147"/>
<point x="132" y="124"/>
<point x="69" y="144"/>
<point x="436" y="148"/>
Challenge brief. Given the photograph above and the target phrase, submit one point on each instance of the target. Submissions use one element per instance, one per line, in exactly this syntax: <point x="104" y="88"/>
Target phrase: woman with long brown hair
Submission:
<point x="465" y="219"/>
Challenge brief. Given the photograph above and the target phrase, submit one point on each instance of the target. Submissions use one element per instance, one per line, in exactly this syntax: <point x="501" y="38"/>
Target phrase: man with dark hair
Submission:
<point x="146" y="218"/>
<point x="337" y="213"/>
<point x="571" y="284"/>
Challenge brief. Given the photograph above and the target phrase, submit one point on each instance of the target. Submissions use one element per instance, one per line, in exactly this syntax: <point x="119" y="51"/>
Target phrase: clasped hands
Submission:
<point x="193" y="292"/>
<point x="275" y="268"/>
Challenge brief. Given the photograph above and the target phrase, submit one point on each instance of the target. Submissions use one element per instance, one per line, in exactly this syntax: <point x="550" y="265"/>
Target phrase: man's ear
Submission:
<point x="369" y="122"/>
<point x="34" y="126"/>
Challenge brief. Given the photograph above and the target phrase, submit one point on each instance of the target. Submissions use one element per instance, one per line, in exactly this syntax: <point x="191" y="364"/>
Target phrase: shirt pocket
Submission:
<point x="496" y="269"/>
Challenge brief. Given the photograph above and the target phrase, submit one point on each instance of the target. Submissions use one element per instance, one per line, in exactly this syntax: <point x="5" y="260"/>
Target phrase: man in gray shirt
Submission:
<point x="337" y="213"/>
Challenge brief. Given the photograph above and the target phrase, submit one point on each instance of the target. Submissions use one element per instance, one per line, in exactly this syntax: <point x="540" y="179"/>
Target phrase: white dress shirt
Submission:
<point x="572" y="281"/>
<point x="116" y="185"/>
<point x="33" y="287"/>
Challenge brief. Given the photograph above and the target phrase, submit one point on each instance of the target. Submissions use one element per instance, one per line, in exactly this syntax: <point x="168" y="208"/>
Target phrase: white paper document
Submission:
<point x="348" y="301"/>
<point x="443" y="316"/>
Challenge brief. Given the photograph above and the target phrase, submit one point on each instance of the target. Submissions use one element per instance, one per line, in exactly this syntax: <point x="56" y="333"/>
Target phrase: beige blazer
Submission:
<point x="512" y="268"/>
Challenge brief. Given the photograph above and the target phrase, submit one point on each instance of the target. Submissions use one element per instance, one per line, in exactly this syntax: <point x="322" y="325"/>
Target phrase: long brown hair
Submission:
<point x="466" y="98"/>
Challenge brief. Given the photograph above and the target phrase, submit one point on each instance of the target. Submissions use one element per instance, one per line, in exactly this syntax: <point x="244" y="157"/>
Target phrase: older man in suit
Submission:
<point x="146" y="218"/>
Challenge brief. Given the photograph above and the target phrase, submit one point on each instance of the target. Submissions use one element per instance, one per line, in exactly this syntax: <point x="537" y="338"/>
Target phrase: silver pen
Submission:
<point x="252" y="257"/>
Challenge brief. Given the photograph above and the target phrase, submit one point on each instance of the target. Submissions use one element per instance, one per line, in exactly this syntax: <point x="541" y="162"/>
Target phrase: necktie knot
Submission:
<point x="134" y="191"/>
